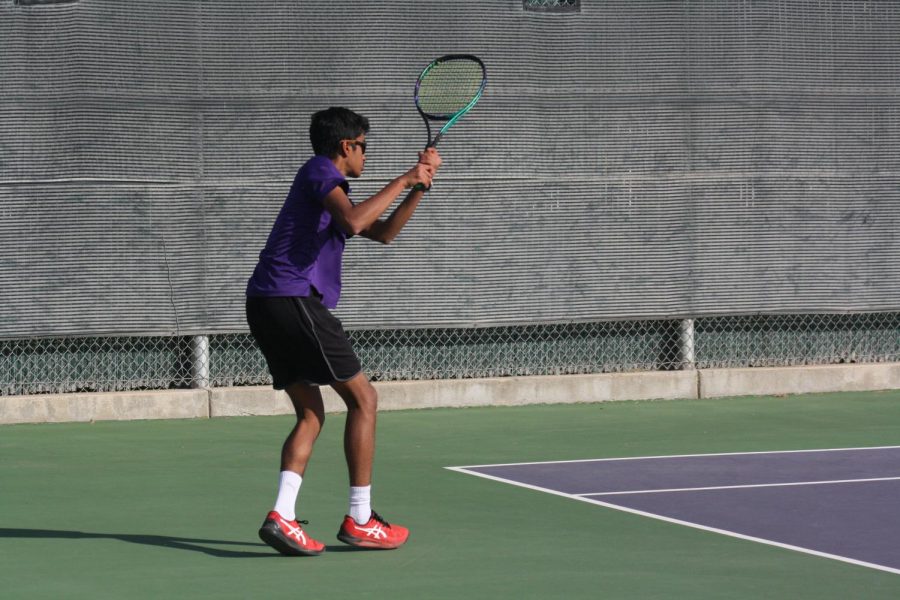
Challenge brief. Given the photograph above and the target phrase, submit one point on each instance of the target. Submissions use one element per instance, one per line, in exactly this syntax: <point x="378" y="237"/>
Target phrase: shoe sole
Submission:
<point x="363" y="543"/>
<point x="270" y="534"/>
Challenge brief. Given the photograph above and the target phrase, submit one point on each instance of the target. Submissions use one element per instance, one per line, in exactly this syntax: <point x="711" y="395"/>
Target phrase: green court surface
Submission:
<point x="170" y="509"/>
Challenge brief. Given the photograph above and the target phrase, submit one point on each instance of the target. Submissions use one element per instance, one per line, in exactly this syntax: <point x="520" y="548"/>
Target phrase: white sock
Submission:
<point x="288" y="488"/>
<point x="361" y="504"/>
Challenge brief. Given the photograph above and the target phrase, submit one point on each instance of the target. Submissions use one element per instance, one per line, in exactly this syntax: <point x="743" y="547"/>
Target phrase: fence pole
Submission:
<point x="687" y="344"/>
<point x="200" y="361"/>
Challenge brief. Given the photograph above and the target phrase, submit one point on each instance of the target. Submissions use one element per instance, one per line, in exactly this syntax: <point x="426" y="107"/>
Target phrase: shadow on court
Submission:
<point x="162" y="541"/>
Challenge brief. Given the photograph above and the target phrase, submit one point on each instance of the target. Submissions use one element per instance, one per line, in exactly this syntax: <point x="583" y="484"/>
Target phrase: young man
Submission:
<point x="296" y="281"/>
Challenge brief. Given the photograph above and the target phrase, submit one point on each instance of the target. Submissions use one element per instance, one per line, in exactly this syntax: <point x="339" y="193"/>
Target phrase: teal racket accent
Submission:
<point x="447" y="89"/>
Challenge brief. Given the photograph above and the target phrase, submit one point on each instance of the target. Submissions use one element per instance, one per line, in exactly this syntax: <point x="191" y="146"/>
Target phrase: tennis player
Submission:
<point x="295" y="283"/>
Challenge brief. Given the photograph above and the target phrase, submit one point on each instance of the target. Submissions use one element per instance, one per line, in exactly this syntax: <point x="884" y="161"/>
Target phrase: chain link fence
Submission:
<point x="552" y="6"/>
<point x="765" y="341"/>
<point x="104" y="364"/>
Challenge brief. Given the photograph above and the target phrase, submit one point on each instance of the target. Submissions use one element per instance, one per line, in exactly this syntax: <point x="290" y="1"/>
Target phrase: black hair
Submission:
<point x="328" y="127"/>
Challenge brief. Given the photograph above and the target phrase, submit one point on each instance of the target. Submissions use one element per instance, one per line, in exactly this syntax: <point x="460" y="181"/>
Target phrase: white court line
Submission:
<point x="736" y="487"/>
<point x="583" y="460"/>
<point x="657" y="517"/>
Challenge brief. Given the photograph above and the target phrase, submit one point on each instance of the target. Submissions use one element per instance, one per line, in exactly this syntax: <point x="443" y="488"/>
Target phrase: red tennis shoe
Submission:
<point x="288" y="537"/>
<point x="377" y="533"/>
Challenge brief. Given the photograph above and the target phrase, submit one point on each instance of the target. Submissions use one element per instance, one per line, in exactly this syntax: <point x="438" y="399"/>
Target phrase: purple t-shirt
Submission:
<point x="305" y="247"/>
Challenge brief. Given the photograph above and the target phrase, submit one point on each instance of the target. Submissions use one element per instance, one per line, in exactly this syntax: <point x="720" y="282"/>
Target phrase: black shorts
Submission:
<point x="302" y="341"/>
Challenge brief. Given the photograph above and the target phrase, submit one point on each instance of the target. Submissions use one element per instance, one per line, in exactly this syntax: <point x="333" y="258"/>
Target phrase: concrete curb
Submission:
<point x="772" y="381"/>
<point x="504" y="391"/>
<point x="113" y="406"/>
<point x="501" y="391"/>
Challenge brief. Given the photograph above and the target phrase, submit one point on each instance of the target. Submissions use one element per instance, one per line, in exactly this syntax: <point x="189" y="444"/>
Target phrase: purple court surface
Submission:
<point x="835" y="503"/>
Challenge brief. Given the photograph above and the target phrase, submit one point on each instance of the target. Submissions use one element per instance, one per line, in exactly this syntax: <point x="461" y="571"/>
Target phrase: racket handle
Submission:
<point x="421" y="187"/>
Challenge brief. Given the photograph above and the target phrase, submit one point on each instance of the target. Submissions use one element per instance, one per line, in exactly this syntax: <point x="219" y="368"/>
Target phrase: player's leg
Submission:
<point x="362" y="526"/>
<point x="310" y="410"/>
<point x="359" y="431"/>
<point x="282" y="333"/>
<point x="281" y="530"/>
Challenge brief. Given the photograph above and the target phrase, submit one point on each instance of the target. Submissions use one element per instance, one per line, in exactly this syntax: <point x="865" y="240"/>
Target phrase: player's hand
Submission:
<point x="422" y="174"/>
<point x="431" y="157"/>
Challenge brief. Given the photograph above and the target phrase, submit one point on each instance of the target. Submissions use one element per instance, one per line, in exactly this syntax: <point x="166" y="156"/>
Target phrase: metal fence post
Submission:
<point x="687" y="344"/>
<point x="200" y="361"/>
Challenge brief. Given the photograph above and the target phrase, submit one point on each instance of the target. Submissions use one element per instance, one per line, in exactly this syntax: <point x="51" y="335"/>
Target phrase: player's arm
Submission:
<point x="385" y="231"/>
<point x="357" y="218"/>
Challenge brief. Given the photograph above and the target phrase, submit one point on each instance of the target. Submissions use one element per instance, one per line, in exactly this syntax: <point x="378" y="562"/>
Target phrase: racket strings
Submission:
<point x="449" y="87"/>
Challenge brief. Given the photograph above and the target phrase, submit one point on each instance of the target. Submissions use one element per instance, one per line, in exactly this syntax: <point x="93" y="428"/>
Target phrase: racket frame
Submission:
<point x="453" y="118"/>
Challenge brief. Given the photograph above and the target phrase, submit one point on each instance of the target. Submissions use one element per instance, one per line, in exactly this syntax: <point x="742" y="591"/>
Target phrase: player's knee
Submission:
<point x="370" y="399"/>
<point x="314" y="415"/>
<point x="367" y="399"/>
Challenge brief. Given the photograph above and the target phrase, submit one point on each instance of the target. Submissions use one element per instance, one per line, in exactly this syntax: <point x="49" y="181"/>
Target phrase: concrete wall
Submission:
<point x="510" y="391"/>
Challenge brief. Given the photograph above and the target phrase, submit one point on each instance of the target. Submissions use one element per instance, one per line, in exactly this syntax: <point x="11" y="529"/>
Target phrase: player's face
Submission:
<point x="356" y="155"/>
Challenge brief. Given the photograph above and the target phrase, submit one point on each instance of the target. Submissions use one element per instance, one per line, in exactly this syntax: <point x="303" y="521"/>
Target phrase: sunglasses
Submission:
<point x="357" y="143"/>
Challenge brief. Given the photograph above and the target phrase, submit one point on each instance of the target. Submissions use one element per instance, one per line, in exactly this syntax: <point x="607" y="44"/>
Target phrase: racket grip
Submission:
<point x="421" y="187"/>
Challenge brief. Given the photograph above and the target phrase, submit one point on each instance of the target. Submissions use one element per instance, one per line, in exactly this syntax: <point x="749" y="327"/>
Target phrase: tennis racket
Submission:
<point x="447" y="89"/>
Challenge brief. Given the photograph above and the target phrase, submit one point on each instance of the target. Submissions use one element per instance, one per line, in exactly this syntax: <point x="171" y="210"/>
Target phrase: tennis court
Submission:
<point x="777" y="498"/>
<point x="171" y="508"/>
